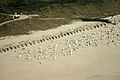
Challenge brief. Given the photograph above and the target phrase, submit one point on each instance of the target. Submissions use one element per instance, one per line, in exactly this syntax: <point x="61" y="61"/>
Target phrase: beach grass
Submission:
<point x="53" y="9"/>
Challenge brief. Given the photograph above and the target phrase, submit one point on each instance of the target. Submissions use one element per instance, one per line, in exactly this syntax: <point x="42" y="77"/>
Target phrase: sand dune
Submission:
<point x="87" y="55"/>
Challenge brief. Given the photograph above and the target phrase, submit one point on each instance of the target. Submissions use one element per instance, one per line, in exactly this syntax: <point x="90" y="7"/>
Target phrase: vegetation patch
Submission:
<point x="25" y="26"/>
<point x="69" y="9"/>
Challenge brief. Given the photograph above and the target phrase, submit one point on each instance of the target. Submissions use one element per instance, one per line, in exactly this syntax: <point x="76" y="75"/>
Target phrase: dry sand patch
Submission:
<point x="89" y="55"/>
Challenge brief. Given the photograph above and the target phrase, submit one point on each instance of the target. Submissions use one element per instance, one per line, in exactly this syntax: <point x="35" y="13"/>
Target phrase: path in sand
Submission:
<point x="22" y="17"/>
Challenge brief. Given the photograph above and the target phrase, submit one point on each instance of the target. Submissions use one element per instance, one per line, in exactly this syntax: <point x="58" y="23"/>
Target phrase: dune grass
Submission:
<point x="53" y="8"/>
<point x="25" y="26"/>
<point x="4" y="18"/>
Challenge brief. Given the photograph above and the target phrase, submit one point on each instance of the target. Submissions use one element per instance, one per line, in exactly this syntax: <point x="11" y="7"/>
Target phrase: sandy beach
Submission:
<point x="93" y="54"/>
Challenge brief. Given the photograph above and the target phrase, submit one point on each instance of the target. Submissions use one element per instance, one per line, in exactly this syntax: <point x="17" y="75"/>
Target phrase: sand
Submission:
<point x="98" y="61"/>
